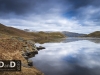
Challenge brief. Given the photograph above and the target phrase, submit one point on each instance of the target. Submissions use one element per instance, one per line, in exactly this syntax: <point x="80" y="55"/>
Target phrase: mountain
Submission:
<point x="72" y="34"/>
<point x="94" y="34"/>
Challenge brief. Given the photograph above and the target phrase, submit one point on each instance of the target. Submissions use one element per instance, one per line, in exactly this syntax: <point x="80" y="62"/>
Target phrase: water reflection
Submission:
<point x="81" y="57"/>
<point x="70" y="39"/>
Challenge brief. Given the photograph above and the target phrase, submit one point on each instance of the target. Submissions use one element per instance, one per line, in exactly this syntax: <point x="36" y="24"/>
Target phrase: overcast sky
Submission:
<point x="82" y="16"/>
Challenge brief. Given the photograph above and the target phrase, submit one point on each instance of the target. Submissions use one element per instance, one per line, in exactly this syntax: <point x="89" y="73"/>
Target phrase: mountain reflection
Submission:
<point x="95" y="40"/>
<point x="66" y="40"/>
<point x="81" y="57"/>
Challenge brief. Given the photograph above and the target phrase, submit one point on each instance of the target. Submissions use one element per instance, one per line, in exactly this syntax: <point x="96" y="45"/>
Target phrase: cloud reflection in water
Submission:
<point x="73" y="58"/>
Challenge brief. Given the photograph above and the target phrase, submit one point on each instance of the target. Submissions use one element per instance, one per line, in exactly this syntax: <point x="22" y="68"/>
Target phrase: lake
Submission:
<point x="70" y="56"/>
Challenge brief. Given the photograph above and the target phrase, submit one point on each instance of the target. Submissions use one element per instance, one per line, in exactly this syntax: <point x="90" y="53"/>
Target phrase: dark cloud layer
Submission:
<point x="15" y="6"/>
<point x="84" y="3"/>
<point x="20" y="7"/>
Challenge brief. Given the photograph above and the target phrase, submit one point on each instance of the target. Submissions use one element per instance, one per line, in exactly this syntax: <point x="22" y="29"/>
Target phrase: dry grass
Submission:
<point x="94" y="34"/>
<point x="13" y="32"/>
<point x="10" y="49"/>
<point x="25" y="71"/>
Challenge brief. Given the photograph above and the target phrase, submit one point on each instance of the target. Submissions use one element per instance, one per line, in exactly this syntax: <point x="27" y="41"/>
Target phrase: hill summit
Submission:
<point x="94" y="34"/>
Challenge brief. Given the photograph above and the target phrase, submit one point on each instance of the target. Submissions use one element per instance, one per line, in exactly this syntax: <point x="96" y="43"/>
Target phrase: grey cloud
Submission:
<point x="15" y="6"/>
<point x="76" y="4"/>
<point x="21" y="7"/>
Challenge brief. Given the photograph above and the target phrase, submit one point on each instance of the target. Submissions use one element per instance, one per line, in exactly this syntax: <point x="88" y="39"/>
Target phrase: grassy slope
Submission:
<point x="11" y="49"/>
<point x="94" y="34"/>
<point x="10" y="31"/>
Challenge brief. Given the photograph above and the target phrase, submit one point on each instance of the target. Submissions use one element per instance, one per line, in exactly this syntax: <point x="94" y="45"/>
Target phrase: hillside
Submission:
<point x="94" y="34"/>
<point x="14" y="49"/>
<point x="72" y="34"/>
<point x="12" y="32"/>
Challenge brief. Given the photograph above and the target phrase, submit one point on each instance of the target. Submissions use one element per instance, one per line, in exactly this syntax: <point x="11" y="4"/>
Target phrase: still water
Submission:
<point x="71" y="56"/>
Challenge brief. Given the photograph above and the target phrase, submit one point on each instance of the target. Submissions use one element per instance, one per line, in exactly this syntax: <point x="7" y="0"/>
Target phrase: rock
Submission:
<point x="30" y="54"/>
<point x="30" y="63"/>
<point x="40" y="47"/>
<point x="27" y="54"/>
<point x="36" y="52"/>
<point x="34" y="49"/>
<point x="26" y="57"/>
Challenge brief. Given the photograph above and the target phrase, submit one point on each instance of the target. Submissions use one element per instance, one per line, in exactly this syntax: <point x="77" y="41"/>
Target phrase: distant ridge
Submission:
<point x="72" y="34"/>
<point x="94" y="34"/>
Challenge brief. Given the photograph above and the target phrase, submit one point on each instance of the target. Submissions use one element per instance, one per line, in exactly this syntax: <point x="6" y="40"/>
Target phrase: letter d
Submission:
<point x="1" y="64"/>
<point x="12" y="64"/>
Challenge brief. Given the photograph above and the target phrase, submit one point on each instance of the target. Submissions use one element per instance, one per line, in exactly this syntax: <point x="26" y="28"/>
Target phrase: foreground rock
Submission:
<point x="14" y="49"/>
<point x="40" y="48"/>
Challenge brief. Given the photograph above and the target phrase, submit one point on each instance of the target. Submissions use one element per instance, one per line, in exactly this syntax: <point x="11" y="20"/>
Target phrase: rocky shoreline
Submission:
<point x="19" y="49"/>
<point x="30" y="50"/>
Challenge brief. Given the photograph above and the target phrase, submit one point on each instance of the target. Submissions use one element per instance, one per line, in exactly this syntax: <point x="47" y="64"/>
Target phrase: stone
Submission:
<point x="40" y="47"/>
<point x="30" y="63"/>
